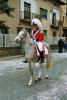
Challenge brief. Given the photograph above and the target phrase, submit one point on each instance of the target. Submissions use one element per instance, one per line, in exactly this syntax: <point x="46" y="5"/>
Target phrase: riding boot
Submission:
<point x="25" y="61"/>
<point x="42" y="56"/>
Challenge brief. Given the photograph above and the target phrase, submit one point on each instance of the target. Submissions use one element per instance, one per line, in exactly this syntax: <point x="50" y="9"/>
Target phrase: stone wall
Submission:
<point x="10" y="51"/>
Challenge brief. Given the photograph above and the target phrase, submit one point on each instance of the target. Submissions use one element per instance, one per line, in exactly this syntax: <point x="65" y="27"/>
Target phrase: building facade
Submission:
<point x="48" y="11"/>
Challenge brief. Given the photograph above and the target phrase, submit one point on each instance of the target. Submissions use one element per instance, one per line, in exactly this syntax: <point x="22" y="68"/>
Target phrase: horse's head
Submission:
<point x="21" y="36"/>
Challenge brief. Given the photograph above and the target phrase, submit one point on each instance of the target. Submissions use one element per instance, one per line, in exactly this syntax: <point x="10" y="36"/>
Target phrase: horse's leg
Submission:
<point x="47" y="66"/>
<point x="40" y="71"/>
<point x="31" y="74"/>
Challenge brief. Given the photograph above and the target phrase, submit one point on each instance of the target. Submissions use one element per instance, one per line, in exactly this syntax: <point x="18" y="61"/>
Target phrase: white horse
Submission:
<point x="23" y="36"/>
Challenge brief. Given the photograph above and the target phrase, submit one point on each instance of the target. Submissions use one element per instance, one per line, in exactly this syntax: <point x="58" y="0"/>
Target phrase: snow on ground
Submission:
<point x="57" y="91"/>
<point x="59" y="56"/>
<point x="13" y="64"/>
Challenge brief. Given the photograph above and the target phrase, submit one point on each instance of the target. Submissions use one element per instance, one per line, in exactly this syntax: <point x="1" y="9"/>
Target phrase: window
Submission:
<point x="0" y="31"/>
<point x="5" y="0"/>
<point x="54" y="19"/>
<point x="65" y="32"/>
<point x="43" y="13"/>
<point x="27" y="10"/>
<point x="3" y="30"/>
<point x="19" y="29"/>
<point x="3" y="4"/>
<point x="29" y="31"/>
<point x="54" y="34"/>
<point x="45" y="35"/>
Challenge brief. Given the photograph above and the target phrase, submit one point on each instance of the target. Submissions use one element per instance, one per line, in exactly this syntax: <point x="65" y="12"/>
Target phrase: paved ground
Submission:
<point x="14" y="77"/>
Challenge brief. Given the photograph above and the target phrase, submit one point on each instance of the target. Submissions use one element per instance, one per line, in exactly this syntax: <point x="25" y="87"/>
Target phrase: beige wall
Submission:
<point x="12" y="23"/>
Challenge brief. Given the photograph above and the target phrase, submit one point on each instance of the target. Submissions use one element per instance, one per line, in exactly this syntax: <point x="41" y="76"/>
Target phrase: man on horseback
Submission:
<point x="32" y="45"/>
<point x="38" y="37"/>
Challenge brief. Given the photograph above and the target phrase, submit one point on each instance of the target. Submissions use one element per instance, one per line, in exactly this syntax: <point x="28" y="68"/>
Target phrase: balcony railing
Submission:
<point x="7" y="40"/>
<point x="55" y="23"/>
<point x="25" y="15"/>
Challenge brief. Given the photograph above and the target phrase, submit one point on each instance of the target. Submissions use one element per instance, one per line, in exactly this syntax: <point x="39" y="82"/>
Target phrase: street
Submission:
<point x="14" y="76"/>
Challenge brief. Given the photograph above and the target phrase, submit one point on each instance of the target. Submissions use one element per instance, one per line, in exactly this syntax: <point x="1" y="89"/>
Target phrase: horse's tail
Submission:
<point x="50" y="61"/>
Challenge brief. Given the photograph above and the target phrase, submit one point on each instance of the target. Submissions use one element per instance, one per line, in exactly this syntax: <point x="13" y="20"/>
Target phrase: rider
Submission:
<point x="38" y="37"/>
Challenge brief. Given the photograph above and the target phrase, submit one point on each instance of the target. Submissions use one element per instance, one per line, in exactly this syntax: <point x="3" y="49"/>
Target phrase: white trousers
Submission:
<point x="40" y="46"/>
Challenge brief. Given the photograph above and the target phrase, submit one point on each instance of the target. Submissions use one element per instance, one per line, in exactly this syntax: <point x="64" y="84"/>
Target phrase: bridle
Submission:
<point x="24" y="36"/>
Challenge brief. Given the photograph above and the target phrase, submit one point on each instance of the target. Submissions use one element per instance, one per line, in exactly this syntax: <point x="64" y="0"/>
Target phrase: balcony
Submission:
<point x="54" y="23"/>
<point x="28" y="16"/>
<point x="6" y="8"/>
<point x="1" y="22"/>
<point x="63" y="1"/>
<point x="60" y="2"/>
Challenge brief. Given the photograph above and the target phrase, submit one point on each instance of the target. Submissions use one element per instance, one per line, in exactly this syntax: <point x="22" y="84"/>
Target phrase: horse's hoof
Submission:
<point x="35" y="81"/>
<point x="29" y="85"/>
<point x="24" y="61"/>
<point x="39" y="79"/>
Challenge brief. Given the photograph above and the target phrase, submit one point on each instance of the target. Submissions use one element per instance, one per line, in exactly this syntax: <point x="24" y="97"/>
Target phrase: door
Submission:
<point x="54" y="19"/>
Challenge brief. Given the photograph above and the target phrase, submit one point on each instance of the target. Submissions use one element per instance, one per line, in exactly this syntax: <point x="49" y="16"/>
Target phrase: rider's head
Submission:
<point x="36" y="24"/>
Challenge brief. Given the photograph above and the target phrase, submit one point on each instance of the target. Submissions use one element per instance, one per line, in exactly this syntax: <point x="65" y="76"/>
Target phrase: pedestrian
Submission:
<point x="60" y="45"/>
<point x="38" y="37"/>
<point x="65" y="44"/>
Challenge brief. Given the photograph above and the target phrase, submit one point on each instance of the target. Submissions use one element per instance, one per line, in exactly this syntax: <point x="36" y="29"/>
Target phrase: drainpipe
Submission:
<point x="60" y="26"/>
